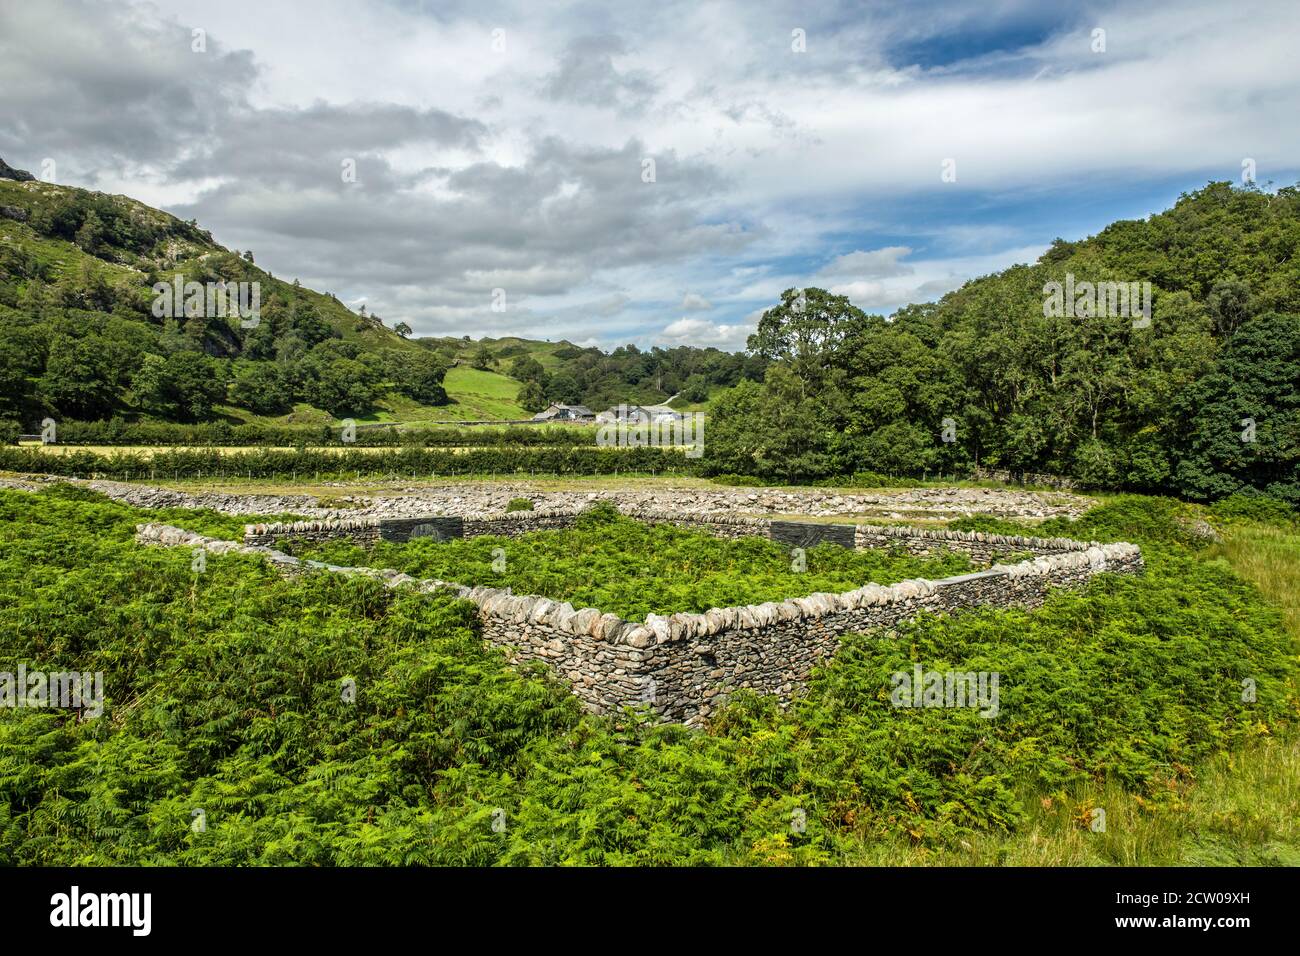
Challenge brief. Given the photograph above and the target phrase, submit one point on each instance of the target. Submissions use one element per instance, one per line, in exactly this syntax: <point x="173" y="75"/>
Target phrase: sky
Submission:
<point x="654" y="173"/>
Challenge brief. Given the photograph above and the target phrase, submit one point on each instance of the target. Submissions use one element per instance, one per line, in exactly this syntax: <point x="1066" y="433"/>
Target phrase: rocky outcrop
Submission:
<point x="17" y="175"/>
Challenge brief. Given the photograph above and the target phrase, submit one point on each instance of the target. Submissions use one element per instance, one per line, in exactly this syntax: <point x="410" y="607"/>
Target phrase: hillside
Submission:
<point x="59" y="232"/>
<point x="563" y="372"/>
<point x="1200" y="397"/>
<point x="81" y="337"/>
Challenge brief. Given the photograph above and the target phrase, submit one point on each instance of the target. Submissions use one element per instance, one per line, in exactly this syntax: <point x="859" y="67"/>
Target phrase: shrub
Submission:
<point x="622" y="566"/>
<point x="1256" y="508"/>
<point x="223" y="691"/>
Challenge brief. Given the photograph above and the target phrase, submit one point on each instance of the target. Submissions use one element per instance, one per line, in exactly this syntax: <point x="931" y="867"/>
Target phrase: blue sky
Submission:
<point x="504" y="146"/>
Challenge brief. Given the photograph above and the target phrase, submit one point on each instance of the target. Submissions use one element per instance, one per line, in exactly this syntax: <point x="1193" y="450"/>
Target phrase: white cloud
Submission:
<point x="876" y="264"/>
<point x="702" y="332"/>
<point x="521" y="168"/>
<point x="865" y="295"/>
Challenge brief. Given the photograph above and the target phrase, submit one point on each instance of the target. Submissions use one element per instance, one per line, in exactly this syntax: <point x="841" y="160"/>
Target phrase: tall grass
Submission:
<point x="1237" y="809"/>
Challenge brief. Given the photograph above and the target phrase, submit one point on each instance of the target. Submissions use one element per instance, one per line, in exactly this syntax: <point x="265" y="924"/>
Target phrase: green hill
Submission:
<point x="84" y="333"/>
<point x="87" y="334"/>
<point x="563" y="372"/>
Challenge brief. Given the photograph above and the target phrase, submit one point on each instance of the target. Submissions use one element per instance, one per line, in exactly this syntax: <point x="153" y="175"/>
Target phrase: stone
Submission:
<point x="767" y="647"/>
<point x="585" y="620"/>
<point x="639" y="637"/>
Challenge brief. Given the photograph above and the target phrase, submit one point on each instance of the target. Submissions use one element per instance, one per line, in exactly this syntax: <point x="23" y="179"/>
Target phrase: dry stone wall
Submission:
<point x="684" y="665"/>
<point x="981" y="546"/>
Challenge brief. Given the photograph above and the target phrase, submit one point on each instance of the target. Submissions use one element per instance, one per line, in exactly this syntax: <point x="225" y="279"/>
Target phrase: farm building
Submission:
<point x="556" y="412"/>
<point x="638" y="415"/>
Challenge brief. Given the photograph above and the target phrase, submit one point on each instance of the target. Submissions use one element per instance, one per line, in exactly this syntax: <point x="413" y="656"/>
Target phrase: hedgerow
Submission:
<point x="223" y="434"/>
<point x="306" y="462"/>
<point x="224" y="694"/>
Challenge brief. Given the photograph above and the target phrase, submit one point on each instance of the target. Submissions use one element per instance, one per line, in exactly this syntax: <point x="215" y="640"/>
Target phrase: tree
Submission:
<point x="419" y="375"/>
<point x="343" y="387"/>
<point x="77" y="380"/>
<point x="528" y="369"/>
<point x="260" y="387"/>
<point x="532" y="398"/>
<point x="696" y="389"/>
<point x="1242" y="421"/>
<point x="806" y="329"/>
<point x="305" y="319"/>
<point x="564" y="388"/>
<point x="90" y="236"/>
<point x="181" y="387"/>
<point x="483" y="359"/>
<point x="20" y="363"/>
<point x="769" y="430"/>
<point x="402" y="329"/>
<point x="1230" y="304"/>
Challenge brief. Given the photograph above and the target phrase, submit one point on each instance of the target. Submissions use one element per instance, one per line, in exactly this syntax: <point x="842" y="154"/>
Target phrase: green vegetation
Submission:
<point x="225" y="694"/>
<point x="227" y="686"/>
<point x="80" y="340"/>
<point x="483" y="395"/>
<point x="631" y="569"/>
<point x="303" y="462"/>
<point x="520" y="504"/>
<point x="562" y="372"/>
<point x="117" y="432"/>
<point x="1201" y="403"/>
<point x="76" y="511"/>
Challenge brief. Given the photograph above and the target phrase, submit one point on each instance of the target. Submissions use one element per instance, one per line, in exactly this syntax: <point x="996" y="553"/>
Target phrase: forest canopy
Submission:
<point x="1203" y="400"/>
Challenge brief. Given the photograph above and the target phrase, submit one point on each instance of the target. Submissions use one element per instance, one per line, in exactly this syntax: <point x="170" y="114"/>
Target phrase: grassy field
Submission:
<point x="478" y="395"/>
<point x="475" y="396"/>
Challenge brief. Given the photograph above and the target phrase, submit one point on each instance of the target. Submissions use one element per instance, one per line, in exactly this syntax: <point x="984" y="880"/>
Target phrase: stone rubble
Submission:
<point x="476" y="498"/>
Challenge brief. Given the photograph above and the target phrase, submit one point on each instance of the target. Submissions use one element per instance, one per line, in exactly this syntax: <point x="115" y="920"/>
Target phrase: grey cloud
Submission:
<point x="98" y="87"/>
<point x="587" y="75"/>
<point x="306" y="147"/>
<point x="542" y="228"/>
